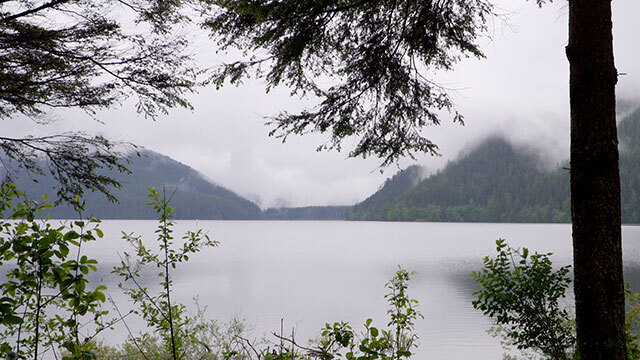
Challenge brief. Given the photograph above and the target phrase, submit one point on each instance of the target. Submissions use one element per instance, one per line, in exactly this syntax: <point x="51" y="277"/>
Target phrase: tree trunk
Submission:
<point x="595" y="183"/>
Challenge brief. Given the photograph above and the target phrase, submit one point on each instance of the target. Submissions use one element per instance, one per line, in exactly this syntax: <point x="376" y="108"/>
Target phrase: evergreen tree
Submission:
<point x="87" y="55"/>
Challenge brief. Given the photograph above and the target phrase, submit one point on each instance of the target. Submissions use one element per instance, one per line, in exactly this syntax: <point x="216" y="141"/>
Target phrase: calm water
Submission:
<point x="310" y="273"/>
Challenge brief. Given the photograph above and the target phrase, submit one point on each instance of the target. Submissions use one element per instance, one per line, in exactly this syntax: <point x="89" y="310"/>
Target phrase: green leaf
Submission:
<point x="5" y="348"/>
<point x="64" y="250"/>
<point x="374" y="332"/>
<point x="11" y="320"/>
<point x="71" y="235"/>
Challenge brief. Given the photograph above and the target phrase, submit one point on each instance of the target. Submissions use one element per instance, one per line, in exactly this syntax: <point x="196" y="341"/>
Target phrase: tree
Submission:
<point x="374" y="51"/>
<point x="378" y="52"/>
<point x="595" y="182"/>
<point x="86" y="55"/>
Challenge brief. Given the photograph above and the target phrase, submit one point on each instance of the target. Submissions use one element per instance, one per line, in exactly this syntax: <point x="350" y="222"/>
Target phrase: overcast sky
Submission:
<point x="520" y="90"/>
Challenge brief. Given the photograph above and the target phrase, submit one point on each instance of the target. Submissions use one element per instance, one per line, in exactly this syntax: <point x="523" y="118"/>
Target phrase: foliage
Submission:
<point x="377" y="53"/>
<point x="81" y="54"/>
<point x="521" y="293"/>
<point x="628" y="135"/>
<point x="395" y="342"/>
<point x="632" y="324"/>
<point x="45" y="293"/>
<point x="208" y="340"/>
<point x="73" y="160"/>
<point x="513" y="290"/>
<point x="377" y="206"/>
<point x="339" y="341"/>
<point x="169" y="321"/>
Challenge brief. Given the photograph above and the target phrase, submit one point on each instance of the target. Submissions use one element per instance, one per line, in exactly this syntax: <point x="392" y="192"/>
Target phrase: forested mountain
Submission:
<point x="500" y="183"/>
<point x="629" y="138"/>
<point x="193" y="196"/>
<point x="496" y="182"/>
<point x="376" y="206"/>
<point x="307" y="213"/>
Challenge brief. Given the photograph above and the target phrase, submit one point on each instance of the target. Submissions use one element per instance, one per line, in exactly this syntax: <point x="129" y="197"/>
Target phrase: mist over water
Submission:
<point x="312" y="273"/>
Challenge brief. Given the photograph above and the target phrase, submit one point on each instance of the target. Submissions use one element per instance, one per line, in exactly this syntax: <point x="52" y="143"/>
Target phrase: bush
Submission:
<point x="521" y="293"/>
<point x="45" y="293"/>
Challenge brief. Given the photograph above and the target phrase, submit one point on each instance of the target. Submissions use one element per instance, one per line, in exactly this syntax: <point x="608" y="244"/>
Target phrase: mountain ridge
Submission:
<point x="497" y="182"/>
<point x="494" y="182"/>
<point x="192" y="194"/>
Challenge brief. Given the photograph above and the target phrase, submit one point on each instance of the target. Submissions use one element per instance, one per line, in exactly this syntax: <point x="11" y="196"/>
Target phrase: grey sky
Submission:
<point x="520" y="90"/>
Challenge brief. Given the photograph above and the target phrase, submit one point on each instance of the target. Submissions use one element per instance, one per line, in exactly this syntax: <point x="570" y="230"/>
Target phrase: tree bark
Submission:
<point x="595" y="183"/>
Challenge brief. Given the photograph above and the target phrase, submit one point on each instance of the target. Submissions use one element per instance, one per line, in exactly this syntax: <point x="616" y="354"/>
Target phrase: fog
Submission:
<point x="520" y="91"/>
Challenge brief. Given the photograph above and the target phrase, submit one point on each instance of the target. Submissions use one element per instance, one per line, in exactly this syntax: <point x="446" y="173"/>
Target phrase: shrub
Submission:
<point x="45" y="293"/>
<point x="521" y="293"/>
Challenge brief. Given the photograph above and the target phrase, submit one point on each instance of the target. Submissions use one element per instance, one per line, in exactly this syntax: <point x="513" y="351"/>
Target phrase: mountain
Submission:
<point x="193" y="196"/>
<point x="376" y="206"/>
<point x="498" y="182"/>
<point x="372" y="208"/>
<point x="494" y="183"/>
<point x="307" y="213"/>
<point x="629" y="139"/>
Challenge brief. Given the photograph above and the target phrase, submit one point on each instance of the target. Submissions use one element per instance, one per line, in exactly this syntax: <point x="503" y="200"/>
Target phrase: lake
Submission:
<point x="309" y="273"/>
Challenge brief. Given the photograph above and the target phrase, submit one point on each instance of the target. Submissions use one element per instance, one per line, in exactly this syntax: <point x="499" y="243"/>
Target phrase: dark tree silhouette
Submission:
<point x="87" y="55"/>
<point x="375" y="52"/>
<point x="595" y="182"/>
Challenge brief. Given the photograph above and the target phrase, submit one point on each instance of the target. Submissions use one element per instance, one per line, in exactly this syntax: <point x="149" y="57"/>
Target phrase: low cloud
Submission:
<point x="520" y="91"/>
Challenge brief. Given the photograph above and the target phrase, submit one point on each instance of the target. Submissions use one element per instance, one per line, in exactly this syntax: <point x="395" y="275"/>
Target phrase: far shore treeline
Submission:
<point x="496" y="182"/>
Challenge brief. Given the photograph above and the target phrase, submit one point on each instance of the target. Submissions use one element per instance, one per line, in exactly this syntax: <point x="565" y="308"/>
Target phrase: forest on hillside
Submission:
<point x="498" y="182"/>
<point x="495" y="182"/>
<point x="193" y="195"/>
